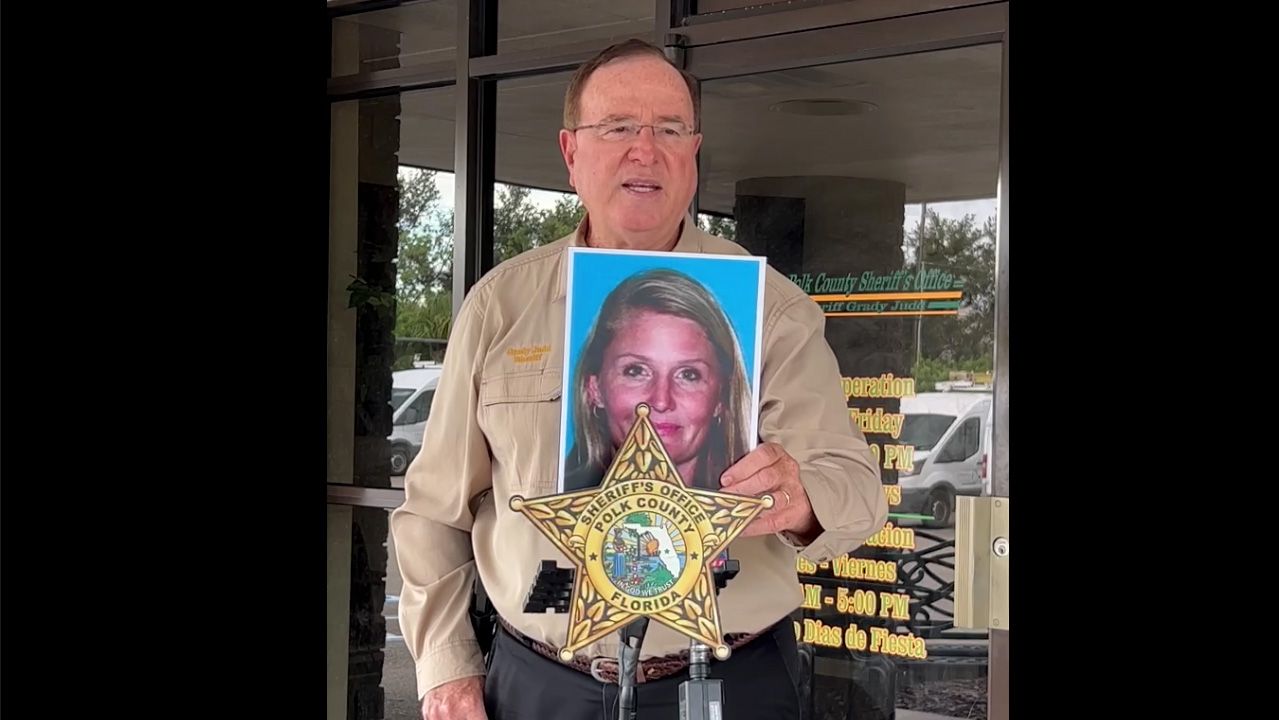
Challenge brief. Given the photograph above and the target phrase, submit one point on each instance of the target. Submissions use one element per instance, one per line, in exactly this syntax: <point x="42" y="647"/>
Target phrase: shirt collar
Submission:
<point x="690" y="241"/>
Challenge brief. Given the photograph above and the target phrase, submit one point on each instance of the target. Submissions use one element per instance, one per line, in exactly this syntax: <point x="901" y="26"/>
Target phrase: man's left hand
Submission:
<point x="770" y="470"/>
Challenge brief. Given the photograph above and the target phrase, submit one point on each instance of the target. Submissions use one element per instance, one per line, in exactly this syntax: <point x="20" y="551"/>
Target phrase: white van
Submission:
<point x="950" y="432"/>
<point x="411" y="394"/>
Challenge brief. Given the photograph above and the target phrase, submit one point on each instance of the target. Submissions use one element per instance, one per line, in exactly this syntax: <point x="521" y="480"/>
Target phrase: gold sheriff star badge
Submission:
<point x="643" y="544"/>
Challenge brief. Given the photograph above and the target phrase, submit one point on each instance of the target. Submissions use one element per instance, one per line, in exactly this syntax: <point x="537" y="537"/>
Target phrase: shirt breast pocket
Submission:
<point x="520" y="415"/>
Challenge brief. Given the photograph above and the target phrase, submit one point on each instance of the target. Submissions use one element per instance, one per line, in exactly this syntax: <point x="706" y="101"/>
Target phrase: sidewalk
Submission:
<point x="916" y="715"/>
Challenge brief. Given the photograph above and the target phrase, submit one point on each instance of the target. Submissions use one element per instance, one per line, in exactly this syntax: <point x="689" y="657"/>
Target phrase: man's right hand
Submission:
<point x="457" y="700"/>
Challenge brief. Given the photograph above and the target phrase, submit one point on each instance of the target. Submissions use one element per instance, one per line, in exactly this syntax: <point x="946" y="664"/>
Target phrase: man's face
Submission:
<point x="639" y="184"/>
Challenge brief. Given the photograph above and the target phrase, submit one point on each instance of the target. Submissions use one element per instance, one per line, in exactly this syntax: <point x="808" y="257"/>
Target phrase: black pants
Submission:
<point x="760" y="682"/>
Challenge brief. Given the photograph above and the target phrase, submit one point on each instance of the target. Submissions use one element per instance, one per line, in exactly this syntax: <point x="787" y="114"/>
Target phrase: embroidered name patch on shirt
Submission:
<point x="528" y="353"/>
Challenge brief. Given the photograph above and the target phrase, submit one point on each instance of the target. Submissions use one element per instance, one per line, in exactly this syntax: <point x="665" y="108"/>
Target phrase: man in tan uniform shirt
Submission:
<point x="630" y="145"/>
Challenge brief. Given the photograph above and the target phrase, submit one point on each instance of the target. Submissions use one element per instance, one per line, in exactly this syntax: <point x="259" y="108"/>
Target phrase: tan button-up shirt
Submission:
<point x="494" y="430"/>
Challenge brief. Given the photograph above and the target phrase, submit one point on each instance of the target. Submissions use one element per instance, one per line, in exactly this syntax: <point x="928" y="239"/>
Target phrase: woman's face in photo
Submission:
<point x="668" y="363"/>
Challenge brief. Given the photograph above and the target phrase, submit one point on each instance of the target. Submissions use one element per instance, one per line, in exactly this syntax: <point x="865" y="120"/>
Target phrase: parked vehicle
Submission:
<point x="950" y="432"/>
<point x="411" y="394"/>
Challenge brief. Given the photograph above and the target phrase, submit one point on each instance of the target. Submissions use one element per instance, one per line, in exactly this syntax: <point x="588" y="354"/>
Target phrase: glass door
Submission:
<point x="874" y="184"/>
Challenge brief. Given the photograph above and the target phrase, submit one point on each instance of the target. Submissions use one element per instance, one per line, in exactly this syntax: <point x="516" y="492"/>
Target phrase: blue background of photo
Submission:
<point x="733" y="282"/>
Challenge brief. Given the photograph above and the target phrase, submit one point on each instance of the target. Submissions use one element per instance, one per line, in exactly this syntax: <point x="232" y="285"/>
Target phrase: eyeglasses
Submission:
<point x="668" y="133"/>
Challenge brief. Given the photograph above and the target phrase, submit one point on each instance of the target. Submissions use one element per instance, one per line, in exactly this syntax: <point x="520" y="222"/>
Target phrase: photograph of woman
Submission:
<point x="661" y="338"/>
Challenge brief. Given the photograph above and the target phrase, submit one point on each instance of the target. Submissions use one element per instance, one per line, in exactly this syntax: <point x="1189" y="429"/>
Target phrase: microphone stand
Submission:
<point x="700" y="696"/>
<point x="552" y="590"/>
<point x="628" y="666"/>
